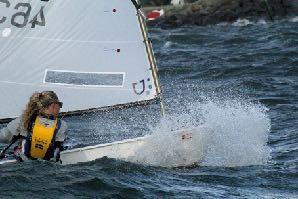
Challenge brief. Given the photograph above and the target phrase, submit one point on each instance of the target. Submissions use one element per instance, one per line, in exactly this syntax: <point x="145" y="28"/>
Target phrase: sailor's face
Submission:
<point x="53" y="109"/>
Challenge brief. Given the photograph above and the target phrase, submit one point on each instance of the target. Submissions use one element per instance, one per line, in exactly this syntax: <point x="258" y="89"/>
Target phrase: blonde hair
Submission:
<point x="36" y="105"/>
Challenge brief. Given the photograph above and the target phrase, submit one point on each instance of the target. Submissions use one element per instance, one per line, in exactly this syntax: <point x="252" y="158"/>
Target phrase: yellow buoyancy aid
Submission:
<point x="42" y="136"/>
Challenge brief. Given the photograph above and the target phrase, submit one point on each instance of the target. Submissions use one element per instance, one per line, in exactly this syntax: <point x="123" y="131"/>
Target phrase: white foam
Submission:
<point x="261" y="22"/>
<point x="168" y="44"/>
<point x="242" y="22"/>
<point x="294" y="19"/>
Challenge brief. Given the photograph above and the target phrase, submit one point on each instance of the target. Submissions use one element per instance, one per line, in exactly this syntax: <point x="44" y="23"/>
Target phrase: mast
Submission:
<point x="150" y="53"/>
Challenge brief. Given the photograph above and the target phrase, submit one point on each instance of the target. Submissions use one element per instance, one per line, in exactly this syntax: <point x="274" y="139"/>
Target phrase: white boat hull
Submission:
<point x="117" y="150"/>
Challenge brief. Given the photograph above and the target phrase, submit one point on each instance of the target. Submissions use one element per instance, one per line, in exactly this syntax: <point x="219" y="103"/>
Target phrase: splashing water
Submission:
<point x="172" y="149"/>
<point x="240" y="133"/>
<point x="234" y="134"/>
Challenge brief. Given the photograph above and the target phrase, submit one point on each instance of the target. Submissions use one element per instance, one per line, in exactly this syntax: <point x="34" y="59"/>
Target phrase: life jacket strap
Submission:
<point x="51" y="150"/>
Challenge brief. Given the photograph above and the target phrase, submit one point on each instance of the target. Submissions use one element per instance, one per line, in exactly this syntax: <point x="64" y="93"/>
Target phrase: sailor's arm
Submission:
<point x="12" y="129"/>
<point x="59" y="140"/>
<point x="62" y="132"/>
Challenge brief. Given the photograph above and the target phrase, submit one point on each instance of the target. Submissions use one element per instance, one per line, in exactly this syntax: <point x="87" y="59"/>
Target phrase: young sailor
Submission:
<point x="41" y="134"/>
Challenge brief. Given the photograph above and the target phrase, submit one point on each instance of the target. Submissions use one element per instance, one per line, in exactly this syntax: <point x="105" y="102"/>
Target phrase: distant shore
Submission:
<point x="205" y="12"/>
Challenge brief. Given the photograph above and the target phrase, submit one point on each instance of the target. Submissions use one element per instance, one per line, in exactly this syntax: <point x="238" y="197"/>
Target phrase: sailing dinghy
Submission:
<point x="93" y="54"/>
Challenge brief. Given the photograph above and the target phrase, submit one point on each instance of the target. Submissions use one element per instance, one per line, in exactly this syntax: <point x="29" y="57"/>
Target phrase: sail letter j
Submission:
<point x="134" y="85"/>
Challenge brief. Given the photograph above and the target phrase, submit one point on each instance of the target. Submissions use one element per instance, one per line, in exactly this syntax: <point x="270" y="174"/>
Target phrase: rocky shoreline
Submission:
<point x="205" y="12"/>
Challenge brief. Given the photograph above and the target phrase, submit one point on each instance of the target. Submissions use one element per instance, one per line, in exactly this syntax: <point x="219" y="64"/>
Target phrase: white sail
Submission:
<point x="93" y="53"/>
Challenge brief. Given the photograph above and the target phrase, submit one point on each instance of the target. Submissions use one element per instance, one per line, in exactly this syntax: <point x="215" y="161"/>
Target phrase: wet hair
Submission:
<point x="38" y="102"/>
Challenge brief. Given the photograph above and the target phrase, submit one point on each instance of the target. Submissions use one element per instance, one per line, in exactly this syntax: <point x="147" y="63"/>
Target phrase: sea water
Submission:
<point x="240" y="80"/>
